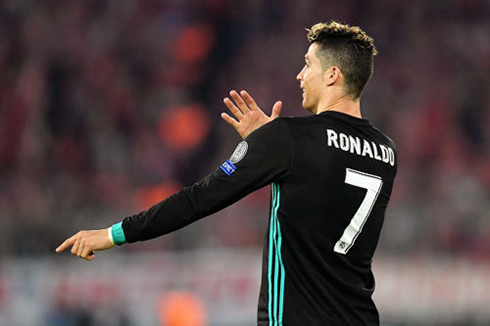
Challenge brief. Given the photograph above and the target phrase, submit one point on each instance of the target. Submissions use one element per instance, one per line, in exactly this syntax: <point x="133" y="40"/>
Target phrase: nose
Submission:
<point x="299" y="77"/>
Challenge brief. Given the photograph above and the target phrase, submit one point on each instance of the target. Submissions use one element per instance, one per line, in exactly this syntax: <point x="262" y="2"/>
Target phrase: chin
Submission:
<point x="308" y="107"/>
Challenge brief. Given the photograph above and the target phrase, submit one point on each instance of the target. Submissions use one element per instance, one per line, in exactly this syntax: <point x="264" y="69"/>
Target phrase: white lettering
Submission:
<point x="332" y="138"/>
<point x="367" y="149"/>
<point x="348" y="143"/>
<point x="355" y="145"/>
<point x="384" y="154"/>
<point x="344" y="142"/>
<point x="375" y="149"/>
<point x="392" y="156"/>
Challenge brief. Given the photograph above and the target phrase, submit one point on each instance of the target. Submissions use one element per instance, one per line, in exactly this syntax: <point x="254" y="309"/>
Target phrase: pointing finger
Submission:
<point x="68" y="242"/>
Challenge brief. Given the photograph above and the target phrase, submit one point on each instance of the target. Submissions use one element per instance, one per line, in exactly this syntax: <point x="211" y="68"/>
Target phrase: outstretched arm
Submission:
<point x="248" y="115"/>
<point x="265" y="156"/>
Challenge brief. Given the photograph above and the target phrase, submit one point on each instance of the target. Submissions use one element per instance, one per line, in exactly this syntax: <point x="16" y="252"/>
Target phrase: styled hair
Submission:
<point x="347" y="47"/>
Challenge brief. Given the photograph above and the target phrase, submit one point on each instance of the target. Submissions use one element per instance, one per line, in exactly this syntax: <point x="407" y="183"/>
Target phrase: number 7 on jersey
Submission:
<point x="373" y="184"/>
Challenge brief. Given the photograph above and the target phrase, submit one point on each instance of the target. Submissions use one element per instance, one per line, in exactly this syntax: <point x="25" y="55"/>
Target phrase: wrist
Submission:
<point x="117" y="233"/>
<point x="109" y="234"/>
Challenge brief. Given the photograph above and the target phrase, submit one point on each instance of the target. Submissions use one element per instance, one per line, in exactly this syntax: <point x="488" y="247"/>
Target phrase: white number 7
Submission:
<point x="372" y="183"/>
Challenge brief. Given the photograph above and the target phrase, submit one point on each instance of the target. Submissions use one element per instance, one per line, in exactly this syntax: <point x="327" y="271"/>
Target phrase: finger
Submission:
<point x="250" y="101"/>
<point x="239" y="101"/>
<point x="80" y="248"/>
<point x="74" y="249"/>
<point x="276" y="109"/>
<point x="230" y="120"/>
<point x="91" y="256"/>
<point x="68" y="242"/>
<point x="87" y="251"/>
<point x="236" y="111"/>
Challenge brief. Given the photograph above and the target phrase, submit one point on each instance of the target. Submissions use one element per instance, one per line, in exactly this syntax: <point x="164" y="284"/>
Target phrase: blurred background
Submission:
<point x="107" y="107"/>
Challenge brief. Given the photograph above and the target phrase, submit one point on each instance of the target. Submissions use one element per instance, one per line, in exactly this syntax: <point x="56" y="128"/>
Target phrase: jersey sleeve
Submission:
<point x="265" y="156"/>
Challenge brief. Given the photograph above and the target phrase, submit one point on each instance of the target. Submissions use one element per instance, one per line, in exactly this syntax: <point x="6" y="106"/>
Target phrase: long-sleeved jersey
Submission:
<point x="331" y="177"/>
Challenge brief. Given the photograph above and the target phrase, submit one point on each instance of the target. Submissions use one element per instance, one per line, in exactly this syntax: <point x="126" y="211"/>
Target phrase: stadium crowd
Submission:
<point x="108" y="107"/>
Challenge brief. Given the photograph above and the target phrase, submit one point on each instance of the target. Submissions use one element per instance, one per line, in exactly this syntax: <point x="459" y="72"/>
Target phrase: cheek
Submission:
<point x="311" y="78"/>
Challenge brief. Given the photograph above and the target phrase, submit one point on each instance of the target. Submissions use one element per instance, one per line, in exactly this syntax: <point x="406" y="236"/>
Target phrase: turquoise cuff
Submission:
<point x="118" y="234"/>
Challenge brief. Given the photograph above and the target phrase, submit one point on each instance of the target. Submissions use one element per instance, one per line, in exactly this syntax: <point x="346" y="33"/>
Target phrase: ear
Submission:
<point x="332" y="75"/>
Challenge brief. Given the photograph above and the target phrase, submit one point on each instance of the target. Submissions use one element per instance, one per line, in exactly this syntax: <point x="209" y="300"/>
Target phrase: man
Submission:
<point x="331" y="176"/>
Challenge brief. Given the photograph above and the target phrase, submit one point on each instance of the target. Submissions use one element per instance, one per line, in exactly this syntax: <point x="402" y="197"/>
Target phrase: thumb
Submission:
<point x="276" y="109"/>
<point x="91" y="256"/>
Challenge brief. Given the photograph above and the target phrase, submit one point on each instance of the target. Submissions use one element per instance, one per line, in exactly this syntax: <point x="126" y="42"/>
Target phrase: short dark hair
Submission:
<point x="347" y="47"/>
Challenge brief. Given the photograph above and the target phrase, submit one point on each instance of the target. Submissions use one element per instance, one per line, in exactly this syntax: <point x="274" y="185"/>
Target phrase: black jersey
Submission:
<point x="331" y="177"/>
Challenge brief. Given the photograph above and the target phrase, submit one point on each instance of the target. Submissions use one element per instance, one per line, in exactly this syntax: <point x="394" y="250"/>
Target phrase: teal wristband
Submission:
<point x="118" y="234"/>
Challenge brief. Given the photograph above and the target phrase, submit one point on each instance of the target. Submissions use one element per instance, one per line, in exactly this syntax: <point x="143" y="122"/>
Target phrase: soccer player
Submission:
<point x="331" y="176"/>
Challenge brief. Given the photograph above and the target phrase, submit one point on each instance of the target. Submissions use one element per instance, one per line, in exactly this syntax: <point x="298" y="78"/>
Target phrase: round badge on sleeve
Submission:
<point x="239" y="152"/>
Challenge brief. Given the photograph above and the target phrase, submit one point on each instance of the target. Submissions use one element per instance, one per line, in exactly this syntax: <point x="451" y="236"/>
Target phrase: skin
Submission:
<point x="247" y="113"/>
<point x="84" y="243"/>
<point x="323" y="90"/>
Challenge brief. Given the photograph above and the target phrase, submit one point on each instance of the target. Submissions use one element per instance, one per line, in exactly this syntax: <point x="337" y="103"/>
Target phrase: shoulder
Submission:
<point x="300" y="120"/>
<point x="273" y="137"/>
<point x="390" y="143"/>
<point x="298" y="123"/>
<point x="278" y="128"/>
<point x="388" y="140"/>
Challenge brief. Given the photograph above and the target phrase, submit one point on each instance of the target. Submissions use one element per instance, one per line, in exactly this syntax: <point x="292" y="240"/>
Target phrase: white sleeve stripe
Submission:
<point x="111" y="239"/>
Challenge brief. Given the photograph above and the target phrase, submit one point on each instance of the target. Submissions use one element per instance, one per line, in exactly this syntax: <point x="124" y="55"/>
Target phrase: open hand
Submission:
<point x="84" y="243"/>
<point x="249" y="116"/>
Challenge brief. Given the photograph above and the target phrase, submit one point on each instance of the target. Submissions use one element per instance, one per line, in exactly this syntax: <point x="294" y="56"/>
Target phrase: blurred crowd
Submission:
<point x="107" y="107"/>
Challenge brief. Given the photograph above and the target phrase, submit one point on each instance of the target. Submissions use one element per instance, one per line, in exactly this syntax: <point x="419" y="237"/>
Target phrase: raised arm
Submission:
<point x="248" y="115"/>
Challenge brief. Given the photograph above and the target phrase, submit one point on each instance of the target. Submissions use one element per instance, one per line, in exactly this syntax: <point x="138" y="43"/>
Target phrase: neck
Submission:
<point x="341" y="104"/>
